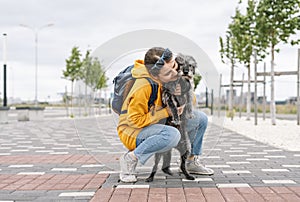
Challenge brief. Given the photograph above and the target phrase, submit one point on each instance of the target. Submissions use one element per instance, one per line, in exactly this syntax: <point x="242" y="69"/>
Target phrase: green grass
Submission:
<point x="280" y="109"/>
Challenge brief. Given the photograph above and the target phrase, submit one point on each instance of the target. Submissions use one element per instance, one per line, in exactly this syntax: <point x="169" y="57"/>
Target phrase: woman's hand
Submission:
<point x="179" y="110"/>
<point x="177" y="90"/>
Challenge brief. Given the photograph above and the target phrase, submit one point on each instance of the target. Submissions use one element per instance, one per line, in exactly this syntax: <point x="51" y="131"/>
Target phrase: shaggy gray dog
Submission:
<point x="186" y="70"/>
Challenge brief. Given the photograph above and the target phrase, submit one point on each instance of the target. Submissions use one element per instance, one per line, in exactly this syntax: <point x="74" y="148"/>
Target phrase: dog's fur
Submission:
<point x="186" y="70"/>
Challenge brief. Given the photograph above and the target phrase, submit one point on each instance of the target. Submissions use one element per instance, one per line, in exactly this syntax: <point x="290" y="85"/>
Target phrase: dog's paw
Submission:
<point x="167" y="171"/>
<point x="189" y="177"/>
<point x="176" y="122"/>
<point x="149" y="179"/>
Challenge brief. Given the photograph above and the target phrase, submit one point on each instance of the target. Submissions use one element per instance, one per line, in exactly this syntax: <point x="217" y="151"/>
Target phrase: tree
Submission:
<point x="93" y="74"/>
<point x="197" y="79"/>
<point x="277" y="21"/>
<point x="229" y="50"/>
<point x="242" y="28"/>
<point x="73" y="65"/>
<point x="85" y="75"/>
<point x="101" y="79"/>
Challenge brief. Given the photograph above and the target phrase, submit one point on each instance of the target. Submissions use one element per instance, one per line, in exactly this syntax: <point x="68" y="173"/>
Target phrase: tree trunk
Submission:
<point x="79" y="100"/>
<point x="85" y="100"/>
<point x="298" y="89"/>
<point x="72" y="98"/>
<point x="241" y="98"/>
<point x="92" y="110"/>
<point x="249" y="93"/>
<point x="272" y="103"/>
<point x="67" y="101"/>
<point x="100" y="102"/>
<point x="230" y="101"/>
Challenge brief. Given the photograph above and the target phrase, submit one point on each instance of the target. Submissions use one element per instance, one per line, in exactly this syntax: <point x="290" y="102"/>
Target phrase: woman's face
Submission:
<point x="168" y="72"/>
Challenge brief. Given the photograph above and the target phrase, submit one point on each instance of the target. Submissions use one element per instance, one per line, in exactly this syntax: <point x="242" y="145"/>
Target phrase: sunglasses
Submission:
<point x="167" y="55"/>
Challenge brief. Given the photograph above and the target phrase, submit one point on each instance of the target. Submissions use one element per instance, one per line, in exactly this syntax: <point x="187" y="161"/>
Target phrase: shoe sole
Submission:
<point x="130" y="179"/>
<point x="197" y="173"/>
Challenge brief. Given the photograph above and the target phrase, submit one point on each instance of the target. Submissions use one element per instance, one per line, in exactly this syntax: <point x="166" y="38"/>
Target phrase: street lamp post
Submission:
<point x="4" y="72"/>
<point x="36" y="30"/>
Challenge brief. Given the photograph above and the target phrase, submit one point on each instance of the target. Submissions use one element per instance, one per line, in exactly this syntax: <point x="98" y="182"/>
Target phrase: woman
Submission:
<point x="139" y="128"/>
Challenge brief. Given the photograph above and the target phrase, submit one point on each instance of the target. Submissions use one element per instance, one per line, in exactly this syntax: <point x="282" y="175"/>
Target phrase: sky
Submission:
<point x="88" y="24"/>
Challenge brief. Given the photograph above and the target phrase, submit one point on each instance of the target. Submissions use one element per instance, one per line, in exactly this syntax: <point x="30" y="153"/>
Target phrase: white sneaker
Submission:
<point x="195" y="167"/>
<point x="128" y="166"/>
<point x="127" y="178"/>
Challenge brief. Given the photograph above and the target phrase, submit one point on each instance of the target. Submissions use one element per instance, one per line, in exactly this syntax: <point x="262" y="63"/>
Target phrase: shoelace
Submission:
<point x="197" y="161"/>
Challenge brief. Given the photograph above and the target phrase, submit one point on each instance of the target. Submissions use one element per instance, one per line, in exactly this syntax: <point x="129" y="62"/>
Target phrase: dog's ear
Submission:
<point x="180" y="59"/>
<point x="192" y="62"/>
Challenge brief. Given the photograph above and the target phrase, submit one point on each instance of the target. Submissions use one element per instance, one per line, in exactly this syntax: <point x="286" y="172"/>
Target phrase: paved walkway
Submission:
<point x="77" y="160"/>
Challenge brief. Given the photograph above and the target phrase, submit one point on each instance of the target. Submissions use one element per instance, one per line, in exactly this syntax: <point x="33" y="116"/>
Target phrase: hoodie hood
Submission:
<point x="139" y="70"/>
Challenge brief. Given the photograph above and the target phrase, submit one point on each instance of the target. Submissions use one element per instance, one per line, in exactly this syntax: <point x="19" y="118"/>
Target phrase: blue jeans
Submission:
<point x="155" y="138"/>
<point x="159" y="138"/>
<point x="196" y="128"/>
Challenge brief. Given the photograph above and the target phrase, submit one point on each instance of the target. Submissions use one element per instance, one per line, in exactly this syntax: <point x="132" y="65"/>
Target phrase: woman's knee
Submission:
<point x="202" y="117"/>
<point x="172" y="136"/>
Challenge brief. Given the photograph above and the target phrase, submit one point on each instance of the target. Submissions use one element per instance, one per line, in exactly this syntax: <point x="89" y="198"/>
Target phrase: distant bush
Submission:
<point x="280" y="109"/>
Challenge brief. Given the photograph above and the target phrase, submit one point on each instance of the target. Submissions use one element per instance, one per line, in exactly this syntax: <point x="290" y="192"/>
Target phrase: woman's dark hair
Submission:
<point x="154" y="59"/>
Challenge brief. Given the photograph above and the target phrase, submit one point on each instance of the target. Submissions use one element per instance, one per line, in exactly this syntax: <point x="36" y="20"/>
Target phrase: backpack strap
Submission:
<point x="153" y="96"/>
<point x="128" y="87"/>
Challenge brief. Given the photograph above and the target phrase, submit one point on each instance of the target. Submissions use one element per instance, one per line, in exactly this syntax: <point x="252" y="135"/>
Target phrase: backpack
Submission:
<point x="123" y="83"/>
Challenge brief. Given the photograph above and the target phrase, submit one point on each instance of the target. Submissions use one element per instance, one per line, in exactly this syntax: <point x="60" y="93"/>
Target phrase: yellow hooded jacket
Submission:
<point x="138" y="115"/>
